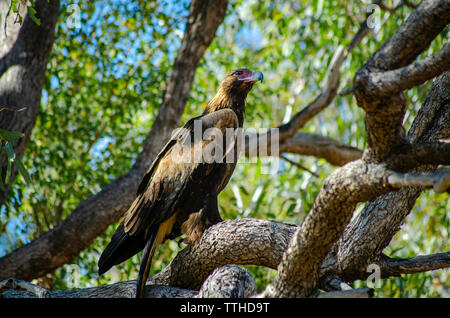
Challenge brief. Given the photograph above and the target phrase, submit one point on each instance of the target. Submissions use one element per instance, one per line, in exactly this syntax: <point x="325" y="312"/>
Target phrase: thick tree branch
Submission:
<point x="413" y="36"/>
<point x="357" y="181"/>
<point x="14" y="288"/>
<point x="384" y="114"/>
<point x="398" y="80"/>
<point x="413" y="155"/>
<point x="240" y="241"/>
<point x="319" y="146"/>
<point x="230" y="281"/>
<point x="94" y="215"/>
<point x="331" y="212"/>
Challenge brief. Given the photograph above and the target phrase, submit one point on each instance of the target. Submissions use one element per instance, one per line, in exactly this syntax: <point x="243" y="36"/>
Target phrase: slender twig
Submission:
<point x="298" y="165"/>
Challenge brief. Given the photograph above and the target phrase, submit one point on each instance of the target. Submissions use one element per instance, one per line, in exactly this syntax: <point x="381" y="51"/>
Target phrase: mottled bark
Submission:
<point x="229" y="281"/>
<point x="418" y="264"/>
<point x="95" y="214"/>
<point x="24" y="51"/>
<point x="333" y="207"/>
<point x="241" y="242"/>
<point x="385" y="113"/>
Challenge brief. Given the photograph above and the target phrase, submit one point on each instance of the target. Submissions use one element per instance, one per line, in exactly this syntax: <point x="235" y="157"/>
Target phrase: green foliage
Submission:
<point x="7" y="138"/>
<point x="104" y="85"/>
<point x="15" y="8"/>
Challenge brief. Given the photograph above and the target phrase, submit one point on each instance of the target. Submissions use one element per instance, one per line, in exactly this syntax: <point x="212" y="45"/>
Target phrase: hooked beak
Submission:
<point x="254" y="77"/>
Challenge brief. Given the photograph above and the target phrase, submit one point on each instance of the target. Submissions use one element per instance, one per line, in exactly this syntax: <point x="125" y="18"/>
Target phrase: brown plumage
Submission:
<point x="178" y="194"/>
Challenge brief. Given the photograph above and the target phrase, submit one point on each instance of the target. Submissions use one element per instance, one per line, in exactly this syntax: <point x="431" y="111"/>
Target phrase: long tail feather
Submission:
<point x="121" y="247"/>
<point x="146" y="261"/>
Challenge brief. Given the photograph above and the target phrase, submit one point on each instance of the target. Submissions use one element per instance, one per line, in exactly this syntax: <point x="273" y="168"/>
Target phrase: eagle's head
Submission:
<point x="233" y="91"/>
<point x="240" y="81"/>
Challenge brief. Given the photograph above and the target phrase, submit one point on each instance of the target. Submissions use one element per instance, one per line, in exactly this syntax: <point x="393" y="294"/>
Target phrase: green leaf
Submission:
<point x="11" y="156"/>
<point x="10" y="135"/>
<point x="8" y="172"/>
<point x="2" y="187"/>
<point x="22" y="170"/>
<point x="32" y="14"/>
<point x="10" y="151"/>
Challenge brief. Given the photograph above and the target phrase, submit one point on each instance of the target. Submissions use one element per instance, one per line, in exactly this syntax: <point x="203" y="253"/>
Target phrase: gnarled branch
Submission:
<point x="395" y="81"/>
<point x="417" y="264"/>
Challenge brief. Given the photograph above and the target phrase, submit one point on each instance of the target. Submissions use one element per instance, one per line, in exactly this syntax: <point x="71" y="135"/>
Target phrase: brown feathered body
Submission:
<point x="178" y="193"/>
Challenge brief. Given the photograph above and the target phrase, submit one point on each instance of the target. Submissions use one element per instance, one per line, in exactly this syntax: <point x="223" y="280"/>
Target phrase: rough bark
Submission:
<point x="95" y="214"/>
<point x="332" y="209"/>
<point x="23" y="62"/>
<point x="241" y="242"/>
<point x="418" y="264"/>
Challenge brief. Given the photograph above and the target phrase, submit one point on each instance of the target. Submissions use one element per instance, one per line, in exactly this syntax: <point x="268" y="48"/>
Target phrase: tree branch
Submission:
<point x="319" y="146"/>
<point x="23" y="63"/>
<point x="413" y="155"/>
<point x="395" y="81"/>
<point x="229" y="281"/>
<point x="14" y="288"/>
<point x="239" y="241"/>
<point x="384" y="114"/>
<point x="418" y="264"/>
<point x="331" y="212"/>
<point x="298" y="165"/>
<point x="439" y="181"/>
<point x="413" y="36"/>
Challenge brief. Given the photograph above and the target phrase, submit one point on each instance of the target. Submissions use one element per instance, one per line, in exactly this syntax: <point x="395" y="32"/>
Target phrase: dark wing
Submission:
<point x="178" y="135"/>
<point x="177" y="169"/>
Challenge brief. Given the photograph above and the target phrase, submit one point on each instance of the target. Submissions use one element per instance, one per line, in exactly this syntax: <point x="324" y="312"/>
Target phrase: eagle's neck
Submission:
<point x="224" y="99"/>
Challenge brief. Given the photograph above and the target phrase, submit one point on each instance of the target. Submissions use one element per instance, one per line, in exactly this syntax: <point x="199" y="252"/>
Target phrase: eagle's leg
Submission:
<point x="198" y="222"/>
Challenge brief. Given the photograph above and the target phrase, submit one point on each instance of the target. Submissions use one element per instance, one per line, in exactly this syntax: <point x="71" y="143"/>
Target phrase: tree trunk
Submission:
<point x="24" y="52"/>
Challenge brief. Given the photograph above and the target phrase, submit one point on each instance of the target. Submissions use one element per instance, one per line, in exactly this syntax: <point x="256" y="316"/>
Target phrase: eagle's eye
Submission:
<point x="238" y="73"/>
